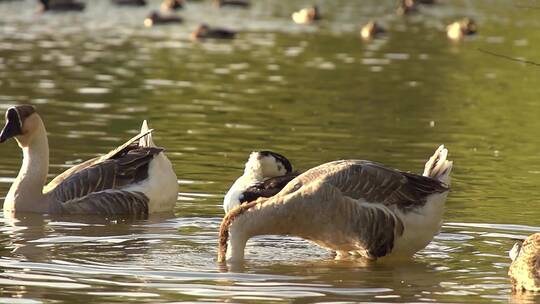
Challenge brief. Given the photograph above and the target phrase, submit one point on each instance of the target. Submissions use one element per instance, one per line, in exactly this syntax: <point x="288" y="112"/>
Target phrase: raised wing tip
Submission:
<point x="144" y="126"/>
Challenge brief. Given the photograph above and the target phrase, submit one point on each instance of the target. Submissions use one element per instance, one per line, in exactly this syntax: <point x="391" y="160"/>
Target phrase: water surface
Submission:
<point x="313" y="93"/>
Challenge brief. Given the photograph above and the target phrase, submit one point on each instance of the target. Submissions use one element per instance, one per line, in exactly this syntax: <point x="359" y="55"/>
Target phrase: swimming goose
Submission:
<point x="130" y="2"/>
<point x="306" y="15"/>
<point x="265" y="174"/>
<point x="459" y="29"/>
<point x="61" y="5"/>
<point x="204" y="31"/>
<point x="133" y="179"/>
<point x="349" y="206"/>
<point x="155" y="18"/>
<point x="370" y="30"/>
<point x="524" y="271"/>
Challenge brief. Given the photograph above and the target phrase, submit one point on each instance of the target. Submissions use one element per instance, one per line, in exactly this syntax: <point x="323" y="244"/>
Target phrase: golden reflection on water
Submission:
<point x="313" y="93"/>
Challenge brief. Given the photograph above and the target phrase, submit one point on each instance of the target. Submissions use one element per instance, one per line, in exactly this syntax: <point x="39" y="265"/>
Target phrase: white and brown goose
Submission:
<point x="134" y="179"/>
<point x="265" y="174"/>
<point x="353" y="207"/>
<point x="524" y="271"/>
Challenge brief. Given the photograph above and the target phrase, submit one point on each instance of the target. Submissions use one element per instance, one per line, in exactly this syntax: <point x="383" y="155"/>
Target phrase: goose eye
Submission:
<point x="279" y="167"/>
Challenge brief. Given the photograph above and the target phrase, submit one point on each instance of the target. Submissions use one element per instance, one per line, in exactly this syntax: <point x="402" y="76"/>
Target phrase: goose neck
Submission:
<point x="26" y="192"/>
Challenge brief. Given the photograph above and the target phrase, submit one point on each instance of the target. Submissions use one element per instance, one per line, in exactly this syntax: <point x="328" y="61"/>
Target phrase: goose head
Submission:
<point x="22" y="122"/>
<point x="266" y="164"/>
<point x="260" y="166"/>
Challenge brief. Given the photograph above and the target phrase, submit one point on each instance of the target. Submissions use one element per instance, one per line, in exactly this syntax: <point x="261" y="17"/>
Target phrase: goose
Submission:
<point x="130" y="2"/>
<point x="307" y="15"/>
<point x="353" y="207"/>
<point x="61" y="5"/>
<point x="459" y="29"/>
<point x="370" y="30"/>
<point x="155" y="18"/>
<point x="134" y="179"/>
<point x="171" y="5"/>
<point x="232" y="3"/>
<point x="265" y="174"/>
<point x="204" y="31"/>
<point x="524" y="271"/>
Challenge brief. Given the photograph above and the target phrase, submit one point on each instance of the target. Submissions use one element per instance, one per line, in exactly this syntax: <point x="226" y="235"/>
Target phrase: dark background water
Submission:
<point x="313" y="93"/>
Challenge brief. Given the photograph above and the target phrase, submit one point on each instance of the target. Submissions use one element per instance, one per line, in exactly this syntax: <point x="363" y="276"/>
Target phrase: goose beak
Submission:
<point x="12" y="127"/>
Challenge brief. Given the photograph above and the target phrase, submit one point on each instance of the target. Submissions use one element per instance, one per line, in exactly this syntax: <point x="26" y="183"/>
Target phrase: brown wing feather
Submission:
<point x="128" y="168"/>
<point x="267" y="188"/>
<point x="118" y="152"/>
<point x="108" y="203"/>
<point x="372" y="182"/>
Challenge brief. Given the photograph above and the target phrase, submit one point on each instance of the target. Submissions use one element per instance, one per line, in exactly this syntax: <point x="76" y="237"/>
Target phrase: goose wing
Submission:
<point x="123" y="170"/>
<point x="267" y="188"/>
<point x="106" y="203"/>
<point x="118" y="152"/>
<point x="373" y="182"/>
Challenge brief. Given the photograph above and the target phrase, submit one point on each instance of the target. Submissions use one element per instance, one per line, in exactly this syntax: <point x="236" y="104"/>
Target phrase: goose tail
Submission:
<point x="438" y="166"/>
<point x="146" y="141"/>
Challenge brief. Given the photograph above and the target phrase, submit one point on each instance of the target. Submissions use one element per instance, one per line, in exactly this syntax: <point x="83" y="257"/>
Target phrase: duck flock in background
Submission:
<point x="457" y="30"/>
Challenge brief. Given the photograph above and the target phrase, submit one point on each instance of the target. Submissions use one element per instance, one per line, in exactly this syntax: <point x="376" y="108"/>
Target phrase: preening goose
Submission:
<point x="524" y="271"/>
<point x="134" y="179"/>
<point x="265" y="174"/>
<point x="349" y="206"/>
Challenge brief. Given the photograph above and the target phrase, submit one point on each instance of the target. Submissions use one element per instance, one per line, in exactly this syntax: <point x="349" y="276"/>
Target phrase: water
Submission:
<point x="313" y="93"/>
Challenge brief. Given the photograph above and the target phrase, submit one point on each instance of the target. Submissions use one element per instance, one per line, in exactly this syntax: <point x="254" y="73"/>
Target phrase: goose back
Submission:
<point x="373" y="182"/>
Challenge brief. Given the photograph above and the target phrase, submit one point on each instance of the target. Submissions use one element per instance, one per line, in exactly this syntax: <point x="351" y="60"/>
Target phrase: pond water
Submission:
<point x="313" y="93"/>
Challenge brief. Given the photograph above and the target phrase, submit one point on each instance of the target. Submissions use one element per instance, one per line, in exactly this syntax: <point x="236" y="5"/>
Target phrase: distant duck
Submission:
<point x="353" y="207"/>
<point x="406" y="7"/>
<point x="265" y="174"/>
<point x="172" y="5"/>
<point x="370" y="30"/>
<point x="135" y="179"/>
<point x="307" y="15"/>
<point x="459" y="29"/>
<point x="524" y="271"/>
<point x="155" y="18"/>
<point x="204" y="31"/>
<point x="130" y="2"/>
<point x="232" y="3"/>
<point x="61" y="6"/>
